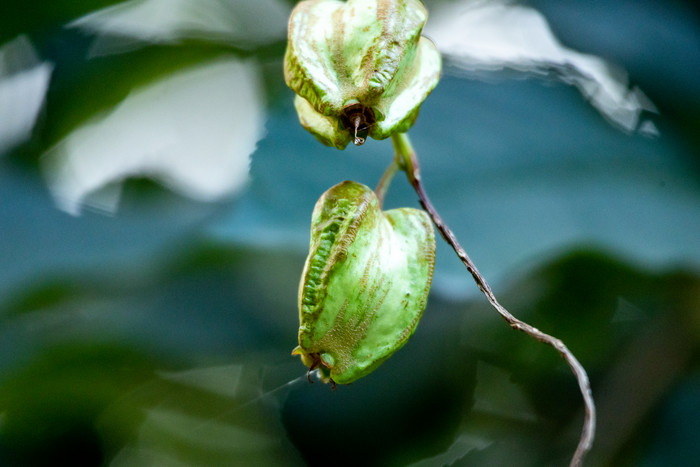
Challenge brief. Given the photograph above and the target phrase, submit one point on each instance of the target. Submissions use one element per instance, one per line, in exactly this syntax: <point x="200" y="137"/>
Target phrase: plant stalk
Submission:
<point x="407" y="160"/>
<point x="384" y="182"/>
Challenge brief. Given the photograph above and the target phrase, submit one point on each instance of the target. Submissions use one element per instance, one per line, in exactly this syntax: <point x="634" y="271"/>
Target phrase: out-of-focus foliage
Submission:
<point x="160" y="333"/>
<point x="188" y="131"/>
<point x="489" y="36"/>
<point x="23" y="82"/>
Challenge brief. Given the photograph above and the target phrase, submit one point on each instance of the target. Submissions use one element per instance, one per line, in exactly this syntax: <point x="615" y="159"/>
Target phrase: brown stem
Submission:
<point x="408" y="162"/>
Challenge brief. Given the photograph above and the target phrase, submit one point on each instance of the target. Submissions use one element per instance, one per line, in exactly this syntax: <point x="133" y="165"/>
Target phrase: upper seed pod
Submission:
<point x="359" y="68"/>
<point x="365" y="282"/>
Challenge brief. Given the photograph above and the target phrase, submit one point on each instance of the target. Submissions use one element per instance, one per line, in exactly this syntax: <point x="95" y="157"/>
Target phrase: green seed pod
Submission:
<point x="359" y="68"/>
<point x="365" y="282"/>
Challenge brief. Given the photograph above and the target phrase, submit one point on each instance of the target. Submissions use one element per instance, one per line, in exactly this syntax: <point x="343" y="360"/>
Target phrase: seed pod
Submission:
<point x="365" y="282"/>
<point x="359" y="68"/>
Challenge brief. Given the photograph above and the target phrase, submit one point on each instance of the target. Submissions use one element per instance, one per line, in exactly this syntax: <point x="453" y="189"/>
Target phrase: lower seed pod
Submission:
<point x="365" y="282"/>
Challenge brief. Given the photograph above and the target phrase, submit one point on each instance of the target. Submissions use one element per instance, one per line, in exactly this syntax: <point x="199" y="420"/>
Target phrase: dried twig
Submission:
<point x="407" y="160"/>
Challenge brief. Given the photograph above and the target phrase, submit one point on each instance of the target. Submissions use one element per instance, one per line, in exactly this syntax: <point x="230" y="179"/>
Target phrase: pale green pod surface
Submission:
<point x="359" y="68"/>
<point x="365" y="282"/>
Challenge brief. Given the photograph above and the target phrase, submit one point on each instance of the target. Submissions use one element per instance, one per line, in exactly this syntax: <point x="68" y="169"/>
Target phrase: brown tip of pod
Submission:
<point x="358" y="119"/>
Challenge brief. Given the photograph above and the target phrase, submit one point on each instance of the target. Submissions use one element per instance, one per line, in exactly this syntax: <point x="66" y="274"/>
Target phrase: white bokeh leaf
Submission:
<point x="481" y="36"/>
<point x="193" y="130"/>
<point x="24" y="80"/>
<point x="136" y="23"/>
